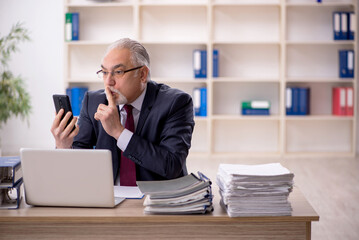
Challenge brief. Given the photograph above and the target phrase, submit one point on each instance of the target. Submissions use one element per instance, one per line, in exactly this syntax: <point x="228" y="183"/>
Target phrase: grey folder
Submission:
<point x="172" y="188"/>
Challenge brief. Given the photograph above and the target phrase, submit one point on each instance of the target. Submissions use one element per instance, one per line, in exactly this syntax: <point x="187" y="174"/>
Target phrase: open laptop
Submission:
<point x="68" y="177"/>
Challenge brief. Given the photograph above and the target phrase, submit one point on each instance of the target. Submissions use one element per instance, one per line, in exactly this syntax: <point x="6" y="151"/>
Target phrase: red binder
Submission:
<point x="349" y="106"/>
<point x="339" y="101"/>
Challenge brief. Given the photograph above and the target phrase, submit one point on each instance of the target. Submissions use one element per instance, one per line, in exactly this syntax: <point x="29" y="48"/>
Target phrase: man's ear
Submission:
<point x="144" y="74"/>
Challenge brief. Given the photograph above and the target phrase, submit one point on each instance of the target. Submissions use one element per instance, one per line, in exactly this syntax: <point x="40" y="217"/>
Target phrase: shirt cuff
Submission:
<point x="124" y="139"/>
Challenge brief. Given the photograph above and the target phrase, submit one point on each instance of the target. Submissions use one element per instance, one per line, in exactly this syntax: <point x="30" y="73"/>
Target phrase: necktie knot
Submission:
<point x="128" y="109"/>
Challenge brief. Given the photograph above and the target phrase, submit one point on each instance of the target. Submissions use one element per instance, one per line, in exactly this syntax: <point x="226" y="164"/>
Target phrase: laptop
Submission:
<point x="68" y="177"/>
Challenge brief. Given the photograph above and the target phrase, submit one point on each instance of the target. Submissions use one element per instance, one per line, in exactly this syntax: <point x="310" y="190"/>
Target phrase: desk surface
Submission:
<point x="131" y="210"/>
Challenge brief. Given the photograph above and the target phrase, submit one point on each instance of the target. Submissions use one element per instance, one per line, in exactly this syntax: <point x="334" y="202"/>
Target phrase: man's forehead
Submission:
<point x="114" y="66"/>
<point x="116" y="58"/>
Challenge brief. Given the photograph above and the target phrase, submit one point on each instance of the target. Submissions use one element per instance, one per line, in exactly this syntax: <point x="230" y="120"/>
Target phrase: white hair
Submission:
<point x="139" y="55"/>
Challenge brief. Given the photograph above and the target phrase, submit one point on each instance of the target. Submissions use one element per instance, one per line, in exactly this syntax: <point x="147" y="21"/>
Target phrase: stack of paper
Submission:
<point x="255" y="190"/>
<point x="186" y="195"/>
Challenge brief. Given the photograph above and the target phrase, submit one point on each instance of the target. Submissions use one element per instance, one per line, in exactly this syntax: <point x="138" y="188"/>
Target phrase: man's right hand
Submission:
<point x="64" y="137"/>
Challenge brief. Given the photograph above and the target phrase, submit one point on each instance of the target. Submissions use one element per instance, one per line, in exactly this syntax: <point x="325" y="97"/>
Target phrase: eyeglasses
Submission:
<point x="117" y="73"/>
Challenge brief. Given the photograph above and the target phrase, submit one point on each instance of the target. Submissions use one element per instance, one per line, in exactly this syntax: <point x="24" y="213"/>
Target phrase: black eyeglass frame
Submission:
<point x="122" y="71"/>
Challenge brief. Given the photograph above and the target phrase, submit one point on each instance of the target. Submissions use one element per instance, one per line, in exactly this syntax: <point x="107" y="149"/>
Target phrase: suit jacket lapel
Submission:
<point x="147" y="105"/>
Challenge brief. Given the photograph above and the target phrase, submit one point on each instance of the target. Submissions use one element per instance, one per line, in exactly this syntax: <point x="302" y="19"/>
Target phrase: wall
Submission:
<point x="40" y="63"/>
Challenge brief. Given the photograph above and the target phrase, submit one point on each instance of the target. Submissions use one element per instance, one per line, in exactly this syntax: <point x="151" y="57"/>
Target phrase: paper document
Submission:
<point x="127" y="192"/>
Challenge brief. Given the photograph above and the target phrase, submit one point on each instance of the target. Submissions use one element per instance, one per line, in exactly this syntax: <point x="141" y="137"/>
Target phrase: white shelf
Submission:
<point x="319" y="118"/>
<point x="264" y="46"/>
<point x="246" y="118"/>
<point x="319" y="80"/>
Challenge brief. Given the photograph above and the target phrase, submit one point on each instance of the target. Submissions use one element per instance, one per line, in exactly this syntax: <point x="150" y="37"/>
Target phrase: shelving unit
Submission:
<point x="264" y="46"/>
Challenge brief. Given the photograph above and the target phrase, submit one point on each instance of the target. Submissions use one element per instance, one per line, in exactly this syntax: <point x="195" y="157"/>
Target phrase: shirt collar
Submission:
<point x="137" y="104"/>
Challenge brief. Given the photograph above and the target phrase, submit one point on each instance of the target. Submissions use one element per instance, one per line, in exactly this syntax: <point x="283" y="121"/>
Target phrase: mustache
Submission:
<point x="121" y="98"/>
<point x="115" y="91"/>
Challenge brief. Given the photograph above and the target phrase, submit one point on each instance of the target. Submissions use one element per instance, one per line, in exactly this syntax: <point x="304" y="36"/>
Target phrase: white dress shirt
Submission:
<point x="126" y="135"/>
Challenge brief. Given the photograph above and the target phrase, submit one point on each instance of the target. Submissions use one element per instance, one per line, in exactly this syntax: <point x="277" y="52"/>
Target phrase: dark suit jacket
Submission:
<point x="163" y="134"/>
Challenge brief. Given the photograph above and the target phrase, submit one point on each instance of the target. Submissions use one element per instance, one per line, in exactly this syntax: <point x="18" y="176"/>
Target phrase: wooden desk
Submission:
<point x="127" y="221"/>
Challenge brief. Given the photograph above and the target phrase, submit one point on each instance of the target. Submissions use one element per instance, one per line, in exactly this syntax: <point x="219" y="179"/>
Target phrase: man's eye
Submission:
<point x="118" y="72"/>
<point x="105" y="73"/>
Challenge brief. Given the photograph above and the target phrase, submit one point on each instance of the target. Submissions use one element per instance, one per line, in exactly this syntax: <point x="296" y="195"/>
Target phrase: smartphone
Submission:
<point x="63" y="101"/>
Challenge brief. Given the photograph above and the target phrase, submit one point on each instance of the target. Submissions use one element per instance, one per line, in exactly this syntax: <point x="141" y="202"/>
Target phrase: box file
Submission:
<point x="10" y="197"/>
<point x="10" y="171"/>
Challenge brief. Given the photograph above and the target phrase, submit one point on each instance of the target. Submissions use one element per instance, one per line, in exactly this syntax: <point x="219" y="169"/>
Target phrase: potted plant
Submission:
<point x="14" y="99"/>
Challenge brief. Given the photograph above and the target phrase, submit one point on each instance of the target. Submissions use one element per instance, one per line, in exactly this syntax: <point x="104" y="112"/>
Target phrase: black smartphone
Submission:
<point x="63" y="101"/>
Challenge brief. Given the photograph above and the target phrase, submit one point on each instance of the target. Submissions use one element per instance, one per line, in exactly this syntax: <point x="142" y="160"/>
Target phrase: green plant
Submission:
<point x="14" y="99"/>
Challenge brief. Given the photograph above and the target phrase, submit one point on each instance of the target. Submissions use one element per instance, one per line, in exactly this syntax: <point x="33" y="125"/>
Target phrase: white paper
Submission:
<point x="127" y="192"/>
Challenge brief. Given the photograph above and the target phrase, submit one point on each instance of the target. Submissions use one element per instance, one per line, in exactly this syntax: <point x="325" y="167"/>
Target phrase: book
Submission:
<point x="76" y="95"/>
<point x="256" y="104"/>
<point x="68" y="26"/>
<point x="10" y="171"/>
<point x="10" y="197"/>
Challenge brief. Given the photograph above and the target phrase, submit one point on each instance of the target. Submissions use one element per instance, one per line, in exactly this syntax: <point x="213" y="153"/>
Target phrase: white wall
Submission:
<point x="41" y="65"/>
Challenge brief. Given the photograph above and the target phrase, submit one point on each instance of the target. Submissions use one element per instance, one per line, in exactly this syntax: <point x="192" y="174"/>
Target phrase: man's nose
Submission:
<point x="109" y="79"/>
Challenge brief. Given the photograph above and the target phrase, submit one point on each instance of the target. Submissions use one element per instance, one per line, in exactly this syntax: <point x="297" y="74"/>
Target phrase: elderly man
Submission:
<point x="147" y="126"/>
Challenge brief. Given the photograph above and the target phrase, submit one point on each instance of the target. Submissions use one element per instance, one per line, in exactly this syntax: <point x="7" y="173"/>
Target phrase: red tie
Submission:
<point x="127" y="167"/>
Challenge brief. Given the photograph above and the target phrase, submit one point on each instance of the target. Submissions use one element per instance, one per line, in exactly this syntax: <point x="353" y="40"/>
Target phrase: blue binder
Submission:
<point x="10" y="168"/>
<point x="304" y="101"/>
<point x="197" y="101"/>
<point x="215" y="63"/>
<point x="336" y="25"/>
<point x="203" y="108"/>
<point x="343" y="25"/>
<point x="203" y="63"/>
<point x="11" y="196"/>
<point x="351" y="25"/>
<point x="346" y="63"/>
<point x="75" y="26"/>
<point x="200" y="63"/>
<point x="197" y="63"/>
<point x="288" y="101"/>
<point x="255" y="111"/>
<point x="76" y="95"/>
